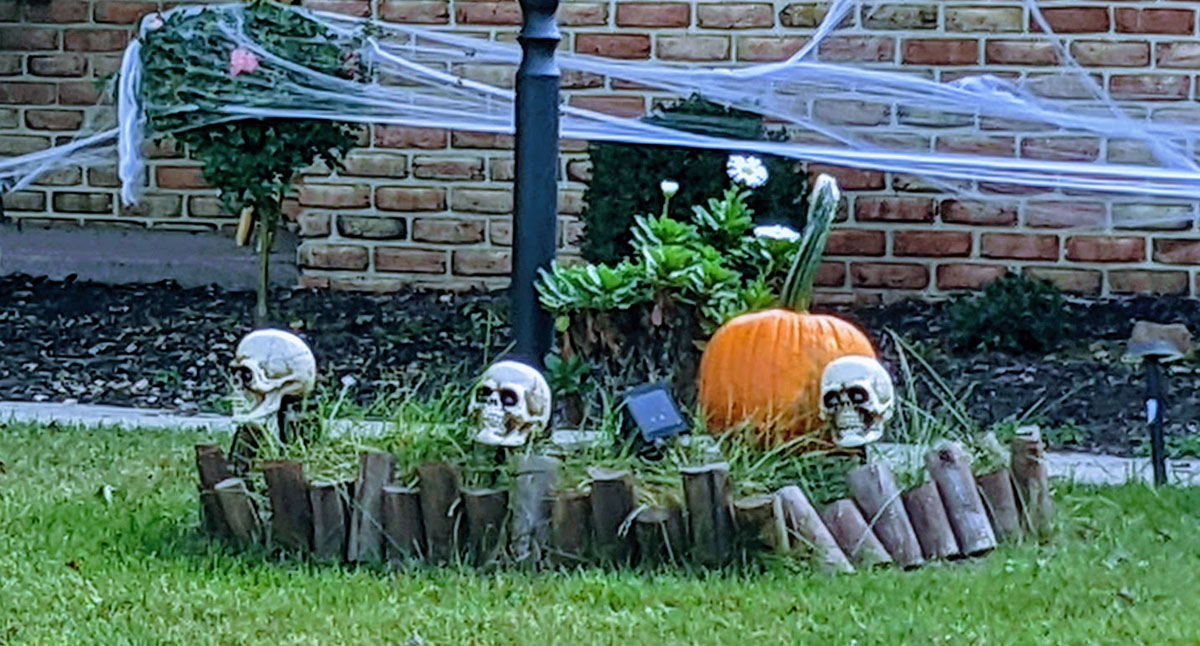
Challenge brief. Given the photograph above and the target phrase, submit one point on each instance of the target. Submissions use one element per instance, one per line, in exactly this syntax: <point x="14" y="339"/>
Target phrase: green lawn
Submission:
<point x="98" y="545"/>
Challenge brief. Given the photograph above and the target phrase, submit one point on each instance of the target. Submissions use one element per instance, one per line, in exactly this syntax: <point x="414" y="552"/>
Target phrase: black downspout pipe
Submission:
<point x="535" y="200"/>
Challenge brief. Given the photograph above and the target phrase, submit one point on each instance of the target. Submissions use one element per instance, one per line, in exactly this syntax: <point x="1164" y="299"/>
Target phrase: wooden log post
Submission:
<point x="853" y="535"/>
<point x="709" y="499"/>
<point x="806" y="530"/>
<point x="874" y="489"/>
<point x="485" y="511"/>
<point x="929" y="521"/>
<point x="996" y="490"/>
<point x="950" y="468"/>
<point x="329" y="502"/>
<point x="366" y="515"/>
<point x="243" y="522"/>
<point x="1032" y="482"/>
<point x="571" y="527"/>
<point x="291" y="511"/>
<point x="756" y="524"/>
<point x="440" y="512"/>
<point x="533" y="501"/>
<point x="612" y="503"/>
<point x="659" y="533"/>
<point x="403" y="530"/>
<point x="213" y="468"/>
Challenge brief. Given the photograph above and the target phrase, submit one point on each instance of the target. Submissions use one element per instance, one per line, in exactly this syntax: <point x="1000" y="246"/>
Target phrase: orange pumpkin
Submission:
<point x="765" y="367"/>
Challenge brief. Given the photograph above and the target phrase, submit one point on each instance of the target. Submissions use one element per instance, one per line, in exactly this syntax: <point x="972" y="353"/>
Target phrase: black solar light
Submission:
<point x="1156" y="344"/>
<point x="652" y="411"/>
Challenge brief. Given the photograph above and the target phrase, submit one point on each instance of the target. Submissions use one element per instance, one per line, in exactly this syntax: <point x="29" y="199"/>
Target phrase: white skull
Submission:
<point x="510" y="403"/>
<point x="857" y="399"/>
<point x="273" y="364"/>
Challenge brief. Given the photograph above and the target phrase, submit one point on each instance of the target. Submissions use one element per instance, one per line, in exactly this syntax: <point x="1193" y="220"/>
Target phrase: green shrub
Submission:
<point x="1012" y="314"/>
<point x="625" y="178"/>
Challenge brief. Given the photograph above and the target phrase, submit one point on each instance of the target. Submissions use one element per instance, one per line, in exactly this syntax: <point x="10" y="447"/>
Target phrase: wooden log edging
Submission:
<point x="373" y="520"/>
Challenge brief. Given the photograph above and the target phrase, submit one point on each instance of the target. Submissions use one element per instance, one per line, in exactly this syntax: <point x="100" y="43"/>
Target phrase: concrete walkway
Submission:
<point x="1081" y="467"/>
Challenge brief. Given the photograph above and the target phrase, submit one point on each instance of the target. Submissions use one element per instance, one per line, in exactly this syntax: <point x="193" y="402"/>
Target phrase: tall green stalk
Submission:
<point x="822" y="207"/>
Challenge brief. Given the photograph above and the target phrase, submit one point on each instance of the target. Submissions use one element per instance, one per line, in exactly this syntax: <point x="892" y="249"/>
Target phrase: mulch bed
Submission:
<point x="163" y="346"/>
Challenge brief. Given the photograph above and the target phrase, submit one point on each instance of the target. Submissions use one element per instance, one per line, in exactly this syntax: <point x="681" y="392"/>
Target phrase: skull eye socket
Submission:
<point x="482" y="393"/>
<point x="243" y="375"/>
<point x="831" y="399"/>
<point x="858" y="394"/>
<point x="508" y="397"/>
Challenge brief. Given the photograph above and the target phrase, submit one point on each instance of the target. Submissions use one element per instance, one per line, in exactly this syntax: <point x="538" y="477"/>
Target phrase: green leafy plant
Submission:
<point x="625" y="178"/>
<point x="1012" y="314"/>
<point x="193" y="71"/>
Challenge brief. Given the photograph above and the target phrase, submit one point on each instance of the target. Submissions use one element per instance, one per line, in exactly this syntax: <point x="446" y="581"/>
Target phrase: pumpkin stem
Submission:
<point x="822" y="207"/>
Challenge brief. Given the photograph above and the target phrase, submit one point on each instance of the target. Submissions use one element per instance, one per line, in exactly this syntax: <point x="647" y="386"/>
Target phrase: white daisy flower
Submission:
<point x="746" y="170"/>
<point x="776" y="232"/>
<point x="669" y="188"/>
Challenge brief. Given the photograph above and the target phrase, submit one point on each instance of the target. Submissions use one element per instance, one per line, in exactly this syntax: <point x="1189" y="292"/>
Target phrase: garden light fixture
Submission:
<point x="653" y="411"/>
<point x="1154" y="344"/>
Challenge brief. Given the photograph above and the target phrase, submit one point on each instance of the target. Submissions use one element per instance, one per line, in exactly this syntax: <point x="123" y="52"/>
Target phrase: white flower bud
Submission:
<point x="669" y="188"/>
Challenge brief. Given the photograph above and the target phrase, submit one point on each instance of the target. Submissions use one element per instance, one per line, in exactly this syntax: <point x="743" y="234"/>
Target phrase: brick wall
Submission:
<point x="429" y="206"/>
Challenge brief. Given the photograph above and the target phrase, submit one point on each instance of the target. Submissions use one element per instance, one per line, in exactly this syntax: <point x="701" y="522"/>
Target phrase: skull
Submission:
<point x="510" y="403"/>
<point x="272" y="365"/>
<point x="857" y="399"/>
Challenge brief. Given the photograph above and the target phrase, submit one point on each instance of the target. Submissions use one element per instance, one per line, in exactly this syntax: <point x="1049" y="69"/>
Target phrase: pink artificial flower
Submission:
<point x="242" y="61"/>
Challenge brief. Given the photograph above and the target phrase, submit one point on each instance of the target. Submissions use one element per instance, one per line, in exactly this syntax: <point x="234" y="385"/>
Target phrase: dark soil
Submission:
<point x="163" y="346"/>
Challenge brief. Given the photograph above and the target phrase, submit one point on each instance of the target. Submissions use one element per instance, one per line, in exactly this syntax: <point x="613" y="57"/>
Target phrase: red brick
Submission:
<point x="1074" y="20"/>
<point x="314" y="225"/>
<point x="889" y="275"/>
<point x="968" y="276"/>
<point x="1156" y="21"/>
<point x="372" y="227"/>
<point x="1138" y="281"/>
<point x="414" y="261"/>
<point x="417" y="13"/>
<point x="577" y="14"/>
<point x="503" y="170"/>
<point x="849" y="179"/>
<point x="179" y="177"/>
<point x="1059" y="215"/>
<point x="570" y="203"/>
<point x="81" y="93"/>
<point x="653" y="14"/>
<point x="28" y="38"/>
<point x="1148" y="87"/>
<point x="487" y="140"/>
<point x="1152" y="217"/>
<point x="58" y="65"/>
<point x="1062" y="86"/>
<point x="23" y="200"/>
<point x="448" y="168"/>
<point x="855" y="242"/>
<point x="396" y="198"/>
<point x="500" y="232"/>
<point x="977" y="145"/>
<point x="95" y="40"/>
<point x="857" y="49"/>
<point x="1186" y="55"/>
<point x="899" y="16"/>
<point x="10" y="64"/>
<point x="482" y="262"/>
<point x="54" y="119"/>
<point x="579" y="170"/>
<point x="1061" y="148"/>
<point x="1177" y="252"/>
<point x="981" y="213"/>
<point x="1105" y="249"/>
<point x="83" y="202"/>
<point x="851" y="112"/>
<point x="1018" y="246"/>
<point x="448" y="230"/>
<point x="893" y="209"/>
<point x="1108" y="54"/>
<point x="931" y="243"/>
<point x="356" y="8"/>
<point x="124" y="13"/>
<point x="809" y="15"/>
<point x="336" y="196"/>
<point x="406" y="137"/>
<point x="768" y="48"/>
<point x="943" y="51"/>
<point x="831" y="274"/>
<point x="56" y="11"/>
<point x="630" y="107"/>
<point x="734" y="16"/>
<point x="693" y="48"/>
<point x="482" y="200"/>
<point x="488" y="13"/>
<point x="990" y="20"/>
<point x="376" y="165"/>
<point x="1020" y="52"/>
<point x="614" y="45"/>
<point x="22" y="93"/>
<point x="348" y="257"/>
<point x="1075" y="281"/>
